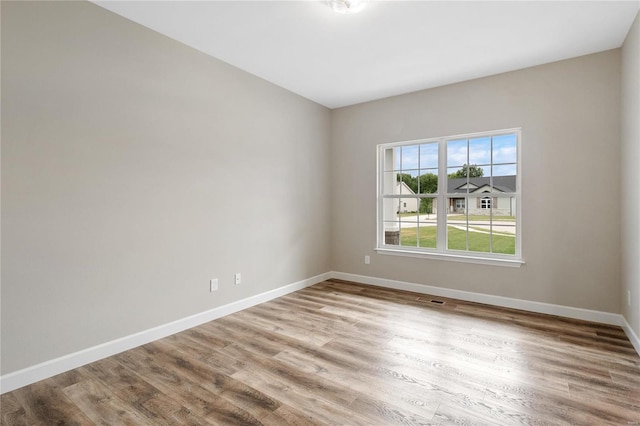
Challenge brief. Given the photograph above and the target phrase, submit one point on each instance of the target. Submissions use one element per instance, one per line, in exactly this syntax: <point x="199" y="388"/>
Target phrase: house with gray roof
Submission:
<point x="480" y="195"/>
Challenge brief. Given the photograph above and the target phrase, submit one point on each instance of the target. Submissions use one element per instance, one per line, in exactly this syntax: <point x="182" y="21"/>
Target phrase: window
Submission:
<point x="466" y="194"/>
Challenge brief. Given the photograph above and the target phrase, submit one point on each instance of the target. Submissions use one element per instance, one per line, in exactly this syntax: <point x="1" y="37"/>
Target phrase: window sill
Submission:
<point x="513" y="263"/>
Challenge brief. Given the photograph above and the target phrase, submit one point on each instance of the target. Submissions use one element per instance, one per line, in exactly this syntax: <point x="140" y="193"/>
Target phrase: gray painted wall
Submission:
<point x="569" y="114"/>
<point x="630" y="177"/>
<point x="134" y="169"/>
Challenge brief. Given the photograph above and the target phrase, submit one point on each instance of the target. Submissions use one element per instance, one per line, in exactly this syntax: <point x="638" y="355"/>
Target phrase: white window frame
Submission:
<point x="441" y="252"/>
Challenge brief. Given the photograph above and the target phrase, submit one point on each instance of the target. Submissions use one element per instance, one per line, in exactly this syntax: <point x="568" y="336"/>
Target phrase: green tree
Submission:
<point x="411" y="181"/>
<point x="423" y="184"/>
<point x="426" y="205"/>
<point x="473" y="170"/>
<point x="428" y="185"/>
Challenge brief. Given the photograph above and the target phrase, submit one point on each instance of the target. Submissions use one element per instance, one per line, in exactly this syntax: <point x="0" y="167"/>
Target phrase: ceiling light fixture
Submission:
<point x="348" y="6"/>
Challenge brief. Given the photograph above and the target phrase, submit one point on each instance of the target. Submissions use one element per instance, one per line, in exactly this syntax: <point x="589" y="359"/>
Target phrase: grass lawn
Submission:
<point x="506" y="234"/>
<point x="409" y="237"/>
<point x="480" y="242"/>
<point x="504" y="244"/>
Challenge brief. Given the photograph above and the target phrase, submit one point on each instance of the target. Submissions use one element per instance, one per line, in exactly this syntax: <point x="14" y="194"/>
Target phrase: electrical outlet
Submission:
<point x="367" y="260"/>
<point x="238" y="278"/>
<point x="213" y="284"/>
<point x="629" y="297"/>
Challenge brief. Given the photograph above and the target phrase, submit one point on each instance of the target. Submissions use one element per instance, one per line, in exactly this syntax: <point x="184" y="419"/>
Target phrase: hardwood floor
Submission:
<point x="343" y="353"/>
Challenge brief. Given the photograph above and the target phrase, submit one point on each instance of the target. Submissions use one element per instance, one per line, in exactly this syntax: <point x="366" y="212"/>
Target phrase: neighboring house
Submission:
<point x="407" y="205"/>
<point x="479" y="199"/>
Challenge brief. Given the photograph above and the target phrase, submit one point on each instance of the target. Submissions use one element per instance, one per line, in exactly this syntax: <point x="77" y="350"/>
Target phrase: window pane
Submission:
<point x="457" y="181"/>
<point x="504" y="226"/>
<point x="469" y="232"/>
<point x="456" y="231"/>
<point x="429" y="156"/>
<point x="409" y="158"/>
<point x="458" y="207"/>
<point x="409" y="234"/>
<point x="428" y="206"/>
<point x="504" y="184"/>
<point x="479" y="228"/>
<point x="480" y="151"/>
<point x="419" y="229"/>
<point x="409" y="209"/>
<point x="489" y="227"/>
<point x="427" y="234"/>
<point x="419" y="237"/>
<point x="404" y="226"/>
<point x="504" y="170"/>
<point x="392" y="233"/>
<point x="390" y="209"/>
<point x="390" y="183"/>
<point x="472" y="171"/>
<point x="408" y="237"/>
<point x="457" y="153"/>
<point x="471" y="163"/>
<point x="391" y="224"/>
<point x="407" y="182"/>
<point x="504" y="149"/>
<point x="428" y="181"/>
<point x="391" y="159"/>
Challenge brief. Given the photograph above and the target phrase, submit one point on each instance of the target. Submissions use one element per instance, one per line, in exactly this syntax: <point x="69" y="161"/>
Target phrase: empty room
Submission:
<point x="320" y="212"/>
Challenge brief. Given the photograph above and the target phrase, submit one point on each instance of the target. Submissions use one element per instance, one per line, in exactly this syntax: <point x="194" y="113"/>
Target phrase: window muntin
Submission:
<point x="461" y="195"/>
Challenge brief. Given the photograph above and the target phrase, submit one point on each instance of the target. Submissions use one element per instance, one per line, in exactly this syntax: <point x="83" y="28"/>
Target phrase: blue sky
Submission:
<point x="423" y="158"/>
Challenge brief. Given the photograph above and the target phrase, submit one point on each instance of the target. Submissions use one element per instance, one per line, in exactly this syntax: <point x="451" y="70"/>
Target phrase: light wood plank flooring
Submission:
<point x="348" y="354"/>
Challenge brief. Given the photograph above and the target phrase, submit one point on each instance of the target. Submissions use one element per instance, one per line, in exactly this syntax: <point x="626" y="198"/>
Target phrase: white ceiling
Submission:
<point x="390" y="48"/>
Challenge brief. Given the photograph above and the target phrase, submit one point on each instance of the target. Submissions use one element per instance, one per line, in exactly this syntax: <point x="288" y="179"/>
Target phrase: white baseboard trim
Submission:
<point x="633" y="337"/>
<point x="68" y="362"/>
<point x="47" y="369"/>
<point x="506" y="302"/>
